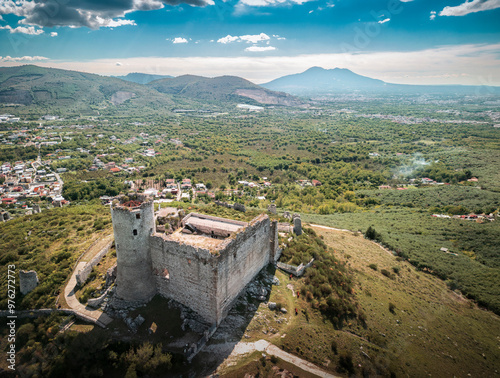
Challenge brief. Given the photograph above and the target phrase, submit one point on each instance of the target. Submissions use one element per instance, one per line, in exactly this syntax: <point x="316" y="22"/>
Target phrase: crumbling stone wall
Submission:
<point x="185" y="274"/>
<point x="243" y="258"/>
<point x="206" y="282"/>
<point x="83" y="275"/>
<point x="297" y="224"/>
<point x="28" y="280"/>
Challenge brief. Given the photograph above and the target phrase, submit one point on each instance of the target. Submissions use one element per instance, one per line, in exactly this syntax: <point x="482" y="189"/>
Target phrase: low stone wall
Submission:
<point x="47" y="311"/>
<point x="83" y="274"/>
<point x="195" y="348"/>
<point x="96" y="302"/>
<point x="295" y="270"/>
<point x="285" y="227"/>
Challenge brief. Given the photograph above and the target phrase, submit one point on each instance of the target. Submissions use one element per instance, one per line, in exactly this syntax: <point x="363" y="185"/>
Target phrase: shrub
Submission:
<point x="392" y="307"/>
<point x="373" y="266"/>
<point x="346" y="364"/>
<point x="372" y="234"/>
<point x="386" y="273"/>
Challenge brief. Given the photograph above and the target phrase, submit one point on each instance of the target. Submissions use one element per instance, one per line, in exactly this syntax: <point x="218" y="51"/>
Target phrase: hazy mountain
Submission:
<point x="142" y="78"/>
<point x="72" y="90"/>
<point x="317" y="79"/>
<point x="320" y="81"/>
<point x="222" y="88"/>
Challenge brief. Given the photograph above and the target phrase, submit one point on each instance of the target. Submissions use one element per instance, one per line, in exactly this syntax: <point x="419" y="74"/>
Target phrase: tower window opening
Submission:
<point x="135" y="232"/>
<point x="138" y="216"/>
<point x="165" y="274"/>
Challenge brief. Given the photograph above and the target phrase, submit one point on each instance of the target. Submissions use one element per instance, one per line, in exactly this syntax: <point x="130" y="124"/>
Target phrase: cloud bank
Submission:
<point x="470" y="7"/>
<point x="472" y="64"/>
<point x="92" y="14"/>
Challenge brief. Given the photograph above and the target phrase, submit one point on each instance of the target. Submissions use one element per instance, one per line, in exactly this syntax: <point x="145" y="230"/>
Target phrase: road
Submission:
<point x="95" y="316"/>
<point x="264" y="346"/>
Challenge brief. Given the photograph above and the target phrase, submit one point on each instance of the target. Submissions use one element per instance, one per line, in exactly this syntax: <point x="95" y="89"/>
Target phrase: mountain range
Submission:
<point x="222" y="88"/>
<point x="75" y="91"/>
<point x="78" y="92"/>
<point x="142" y="78"/>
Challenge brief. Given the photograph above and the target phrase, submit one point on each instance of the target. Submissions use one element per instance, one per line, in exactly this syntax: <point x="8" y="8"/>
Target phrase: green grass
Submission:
<point x="417" y="236"/>
<point x="49" y="243"/>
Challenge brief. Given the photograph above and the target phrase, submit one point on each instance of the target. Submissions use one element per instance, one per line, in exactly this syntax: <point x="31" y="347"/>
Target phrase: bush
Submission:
<point x="392" y="307"/>
<point x="346" y="364"/>
<point x="386" y="273"/>
<point x="372" y="234"/>
<point x="373" y="266"/>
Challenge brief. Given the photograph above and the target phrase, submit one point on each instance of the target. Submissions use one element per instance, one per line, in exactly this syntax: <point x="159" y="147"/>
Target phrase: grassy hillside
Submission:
<point x="49" y="243"/>
<point x="55" y="91"/>
<point x="223" y="88"/>
<point x="413" y="325"/>
<point x="418" y="237"/>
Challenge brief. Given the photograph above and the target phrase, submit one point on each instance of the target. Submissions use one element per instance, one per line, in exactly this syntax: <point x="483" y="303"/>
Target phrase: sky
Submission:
<point x="398" y="41"/>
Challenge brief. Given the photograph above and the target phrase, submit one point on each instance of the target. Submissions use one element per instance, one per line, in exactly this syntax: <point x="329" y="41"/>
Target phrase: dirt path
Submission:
<point x="95" y="316"/>
<point x="92" y="315"/>
<point x="344" y="230"/>
<point x="96" y="247"/>
<point x="266" y="347"/>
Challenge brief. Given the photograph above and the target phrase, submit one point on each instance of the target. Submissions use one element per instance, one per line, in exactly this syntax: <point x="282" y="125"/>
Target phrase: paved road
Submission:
<point x="267" y="347"/>
<point x="96" y="316"/>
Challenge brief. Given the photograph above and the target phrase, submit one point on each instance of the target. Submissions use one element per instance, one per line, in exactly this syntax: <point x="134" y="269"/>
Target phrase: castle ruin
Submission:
<point x="204" y="265"/>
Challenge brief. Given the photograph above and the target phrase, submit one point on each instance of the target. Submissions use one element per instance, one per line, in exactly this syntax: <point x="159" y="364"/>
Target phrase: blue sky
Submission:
<point x="431" y="42"/>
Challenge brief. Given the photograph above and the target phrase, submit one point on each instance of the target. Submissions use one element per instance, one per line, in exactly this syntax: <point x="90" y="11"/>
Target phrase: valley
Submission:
<point x="410" y="287"/>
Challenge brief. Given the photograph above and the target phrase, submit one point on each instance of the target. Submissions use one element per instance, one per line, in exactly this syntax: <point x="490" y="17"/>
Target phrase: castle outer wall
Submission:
<point x="210" y="282"/>
<point x="207" y="281"/>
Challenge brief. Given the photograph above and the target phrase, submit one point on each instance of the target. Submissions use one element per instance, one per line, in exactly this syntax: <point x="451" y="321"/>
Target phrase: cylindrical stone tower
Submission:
<point x="133" y="223"/>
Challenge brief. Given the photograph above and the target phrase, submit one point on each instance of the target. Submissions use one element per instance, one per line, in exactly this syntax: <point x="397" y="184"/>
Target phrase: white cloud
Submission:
<point x="118" y="64"/>
<point x="179" y="40"/>
<point x="23" y="30"/>
<point x="227" y="39"/>
<point x="278" y="37"/>
<point x="110" y="23"/>
<point x="22" y="58"/>
<point x="264" y="3"/>
<point x="53" y="34"/>
<point x="250" y="38"/>
<point x="433" y="15"/>
<point x="260" y="48"/>
<point x="472" y="64"/>
<point x="84" y="13"/>
<point x="255" y="38"/>
<point x="406" y="1"/>
<point x="384" y="21"/>
<point x="470" y="7"/>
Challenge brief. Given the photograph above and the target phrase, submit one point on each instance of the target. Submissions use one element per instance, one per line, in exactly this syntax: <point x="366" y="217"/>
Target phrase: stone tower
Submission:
<point x="133" y="223"/>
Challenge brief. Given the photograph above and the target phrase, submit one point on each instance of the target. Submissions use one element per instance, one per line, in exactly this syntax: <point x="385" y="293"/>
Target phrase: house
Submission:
<point x="316" y="183"/>
<point x="115" y="170"/>
<point x="186" y="184"/>
<point x="384" y="187"/>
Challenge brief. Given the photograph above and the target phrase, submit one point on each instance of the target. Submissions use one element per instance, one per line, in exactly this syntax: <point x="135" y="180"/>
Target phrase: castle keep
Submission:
<point x="204" y="265"/>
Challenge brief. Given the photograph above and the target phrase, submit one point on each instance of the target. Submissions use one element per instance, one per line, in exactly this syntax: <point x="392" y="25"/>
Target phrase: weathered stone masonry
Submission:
<point x="132" y="227"/>
<point x="205" y="280"/>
